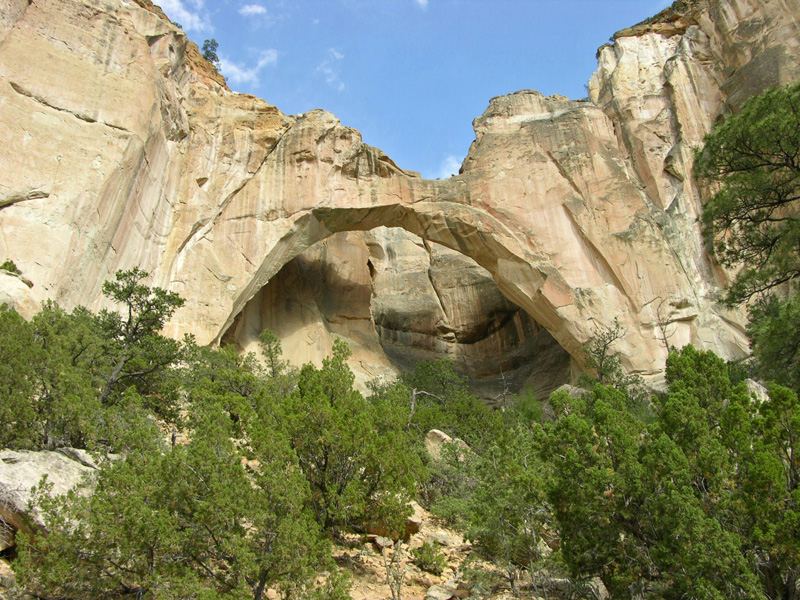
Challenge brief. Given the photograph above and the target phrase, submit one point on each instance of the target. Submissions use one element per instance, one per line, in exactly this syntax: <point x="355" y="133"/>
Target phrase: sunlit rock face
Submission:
<point x="123" y="148"/>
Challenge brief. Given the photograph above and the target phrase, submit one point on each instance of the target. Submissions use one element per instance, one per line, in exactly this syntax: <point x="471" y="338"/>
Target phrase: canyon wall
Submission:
<point x="124" y="148"/>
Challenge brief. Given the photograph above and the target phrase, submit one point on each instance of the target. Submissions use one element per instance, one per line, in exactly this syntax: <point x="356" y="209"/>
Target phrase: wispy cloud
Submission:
<point x="423" y="4"/>
<point x="331" y="70"/>
<point x="449" y="167"/>
<point x="191" y="14"/>
<point x="237" y="73"/>
<point x="252" y="10"/>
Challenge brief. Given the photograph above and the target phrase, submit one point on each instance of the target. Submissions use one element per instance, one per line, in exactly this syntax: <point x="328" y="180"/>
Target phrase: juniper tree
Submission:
<point x="752" y="163"/>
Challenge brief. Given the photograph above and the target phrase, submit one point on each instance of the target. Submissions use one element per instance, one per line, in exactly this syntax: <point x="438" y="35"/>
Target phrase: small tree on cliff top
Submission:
<point x="210" y="51"/>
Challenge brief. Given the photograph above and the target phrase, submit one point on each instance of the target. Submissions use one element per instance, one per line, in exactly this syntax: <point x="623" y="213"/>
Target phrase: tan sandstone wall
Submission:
<point x="124" y="149"/>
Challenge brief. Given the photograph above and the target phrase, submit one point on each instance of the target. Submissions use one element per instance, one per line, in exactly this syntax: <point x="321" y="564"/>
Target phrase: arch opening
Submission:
<point x="525" y="278"/>
<point x="398" y="299"/>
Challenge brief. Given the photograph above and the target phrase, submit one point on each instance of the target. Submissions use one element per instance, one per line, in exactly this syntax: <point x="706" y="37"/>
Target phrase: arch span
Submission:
<point x="464" y="229"/>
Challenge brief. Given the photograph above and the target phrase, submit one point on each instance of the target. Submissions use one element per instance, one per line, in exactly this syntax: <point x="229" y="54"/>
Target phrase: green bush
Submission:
<point x="185" y="522"/>
<point x="428" y="558"/>
<point x="79" y="379"/>
<point x="357" y="459"/>
<point x="525" y="409"/>
<point x="9" y="266"/>
<point x="699" y="501"/>
<point x="443" y="401"/>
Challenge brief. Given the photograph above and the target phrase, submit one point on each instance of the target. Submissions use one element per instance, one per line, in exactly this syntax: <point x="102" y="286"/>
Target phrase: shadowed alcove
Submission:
<point x="398" y="299"/>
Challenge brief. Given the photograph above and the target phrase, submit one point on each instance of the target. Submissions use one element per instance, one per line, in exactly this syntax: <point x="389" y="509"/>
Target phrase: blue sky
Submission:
<point x="411" y="75"/>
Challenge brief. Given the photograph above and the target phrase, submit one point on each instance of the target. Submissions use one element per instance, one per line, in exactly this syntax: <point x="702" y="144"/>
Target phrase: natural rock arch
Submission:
<point x="470" y="232"/>
<point x="320" y="179"/>
<point x="573" y="255"/>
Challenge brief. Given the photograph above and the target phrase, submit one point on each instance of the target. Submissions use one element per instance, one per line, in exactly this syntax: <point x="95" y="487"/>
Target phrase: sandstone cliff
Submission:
<point x="124" y="149"/>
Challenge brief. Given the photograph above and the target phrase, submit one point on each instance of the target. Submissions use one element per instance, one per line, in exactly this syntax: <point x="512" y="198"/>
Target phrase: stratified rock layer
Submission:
<point x="124" y="149"/>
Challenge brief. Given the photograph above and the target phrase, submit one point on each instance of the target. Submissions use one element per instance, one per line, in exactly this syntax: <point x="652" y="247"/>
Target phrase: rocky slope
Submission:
<point x="124" y="149"/>
<point x="360" y="555"/>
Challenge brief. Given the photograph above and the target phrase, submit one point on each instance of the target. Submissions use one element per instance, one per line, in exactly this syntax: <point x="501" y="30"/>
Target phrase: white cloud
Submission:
<point x="252" y="10"/>
<point x="330" y="69"/>
<point x="449" y="167"/>
<point x="423" y="4"/>
<point x="237" y="73"/>
<point x="193" y="17"/>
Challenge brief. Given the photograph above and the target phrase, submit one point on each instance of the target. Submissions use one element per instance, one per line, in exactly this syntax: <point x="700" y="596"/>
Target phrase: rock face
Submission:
<point x="397" y="300"/>
<point x="127" y="150"/>
<point x="21" y="471"/>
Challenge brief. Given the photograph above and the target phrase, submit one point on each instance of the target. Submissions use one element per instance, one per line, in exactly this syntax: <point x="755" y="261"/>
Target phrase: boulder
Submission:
<point x="757" y="391"/>
<point x="439" y="592"/>
<point x="415" y="520"/>
<point x="413" y="523"/>
<point x="436" y="440"/>
<point x="16" y="294"/>
<point x="381" y="542"/>
<point x="442" y="538"/>
<point x="572" y="390"/>
<point x="20" y="472"/>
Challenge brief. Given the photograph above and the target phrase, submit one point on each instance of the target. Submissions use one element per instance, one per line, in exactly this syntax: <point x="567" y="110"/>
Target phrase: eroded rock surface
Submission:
<point x="398" y="299"/>
<point x="21" y="471"/>
<point x="125" y="149"/>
